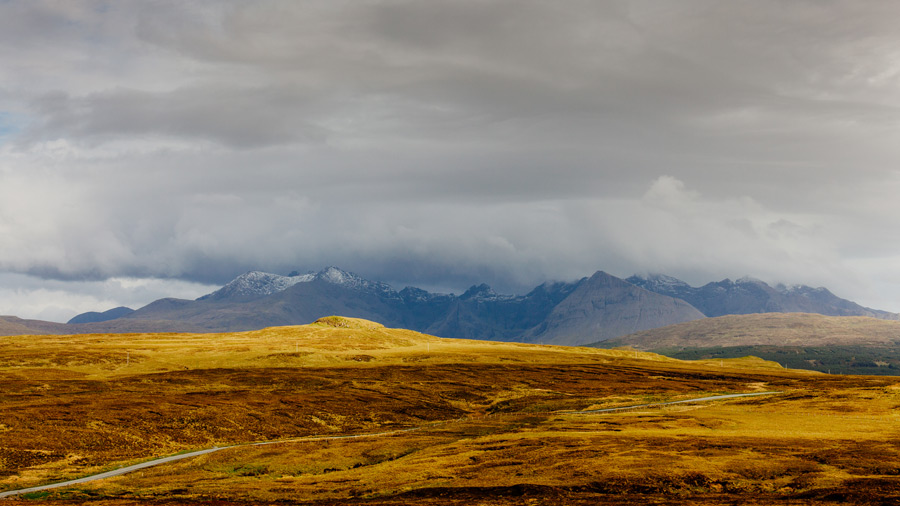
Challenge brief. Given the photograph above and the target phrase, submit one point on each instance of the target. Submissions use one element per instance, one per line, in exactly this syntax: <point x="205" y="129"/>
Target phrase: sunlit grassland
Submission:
<point x="781" y="449"/>
<point x="350" y="342"/>
<point x="493" y="427"/>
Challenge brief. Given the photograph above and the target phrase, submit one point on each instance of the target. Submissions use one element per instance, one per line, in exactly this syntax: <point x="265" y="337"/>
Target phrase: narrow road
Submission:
<point x="115" y="472"/>
<point x="173" y="458"/>
<point x="657" y="404"/>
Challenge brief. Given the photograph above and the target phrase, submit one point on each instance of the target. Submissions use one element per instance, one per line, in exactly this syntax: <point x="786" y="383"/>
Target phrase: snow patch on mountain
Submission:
<point x="257" y="283"/>
<point x="260" y="284"/>
<point x="338" y="277"/>
<point x="800" y="289"/>
<point x="658" y="282"/>
<point x="346" y="279"/>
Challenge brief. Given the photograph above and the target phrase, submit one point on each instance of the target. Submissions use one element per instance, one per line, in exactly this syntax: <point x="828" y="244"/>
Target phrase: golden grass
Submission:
<point x="321" y="344"/>
<point x="494" y="431"/>
<point x="739" y="449"/>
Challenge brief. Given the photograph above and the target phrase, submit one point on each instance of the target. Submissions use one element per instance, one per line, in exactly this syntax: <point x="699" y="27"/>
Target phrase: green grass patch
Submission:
<point x="865" y="360"/>
<point x="32" y="496"/>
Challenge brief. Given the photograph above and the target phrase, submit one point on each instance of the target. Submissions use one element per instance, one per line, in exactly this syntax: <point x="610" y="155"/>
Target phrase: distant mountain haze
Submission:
<point x="767" y="329"/>
<point x="604" y="307"/>
<point x="95" y="317"/>
<point x="748" y="295"/>
<point x="589" y="310"/>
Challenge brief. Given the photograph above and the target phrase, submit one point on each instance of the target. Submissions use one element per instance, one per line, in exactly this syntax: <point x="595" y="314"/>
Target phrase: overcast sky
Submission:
<point x="153" y="149"/>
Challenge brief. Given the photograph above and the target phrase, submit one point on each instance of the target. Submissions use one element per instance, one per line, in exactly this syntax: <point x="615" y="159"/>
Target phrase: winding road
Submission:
<point x="173" y="458"/>
<point x="115" y="472"/>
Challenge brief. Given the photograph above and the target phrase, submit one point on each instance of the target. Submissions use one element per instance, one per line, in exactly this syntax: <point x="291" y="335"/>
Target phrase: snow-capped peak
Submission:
<point x="346" y="279"/>
<point x="801" y="289"/>
<point x="337" y="276"/>
<point x="664" y="280"/>
<point x="257" y="283"/>
<point x="659" y="283"/>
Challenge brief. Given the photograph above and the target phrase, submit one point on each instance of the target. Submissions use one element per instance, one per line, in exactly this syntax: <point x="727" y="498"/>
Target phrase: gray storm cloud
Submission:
<point x="447" y="143"/>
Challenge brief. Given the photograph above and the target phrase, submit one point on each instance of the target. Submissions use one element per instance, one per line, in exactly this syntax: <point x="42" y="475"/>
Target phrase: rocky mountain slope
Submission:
<point x="605" y="306"/>
<point x="748" y="295"/>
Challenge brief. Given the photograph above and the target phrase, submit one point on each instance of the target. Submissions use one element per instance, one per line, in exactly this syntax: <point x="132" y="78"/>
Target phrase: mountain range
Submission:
<point x="591" y="309"/>
<point x="748" y="295"/>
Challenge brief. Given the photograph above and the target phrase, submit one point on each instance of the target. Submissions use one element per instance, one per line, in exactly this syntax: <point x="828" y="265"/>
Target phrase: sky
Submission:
<point x="152" y="149"/>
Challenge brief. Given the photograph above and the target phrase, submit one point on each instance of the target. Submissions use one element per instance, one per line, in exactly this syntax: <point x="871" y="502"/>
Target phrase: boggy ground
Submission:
<point x="493" y="430"/>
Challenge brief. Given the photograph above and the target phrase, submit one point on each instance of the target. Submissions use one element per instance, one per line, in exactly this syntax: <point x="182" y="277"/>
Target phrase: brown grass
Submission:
<point x="77" y="404"/>
<point x="774" y="329"/>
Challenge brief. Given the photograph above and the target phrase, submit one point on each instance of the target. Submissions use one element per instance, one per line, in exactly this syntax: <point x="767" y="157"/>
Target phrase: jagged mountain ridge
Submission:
<point x="748" y="295"/>
<point x="256" y="284"/>
<point x="588" y="310"/>
<point x="257" y="299"/>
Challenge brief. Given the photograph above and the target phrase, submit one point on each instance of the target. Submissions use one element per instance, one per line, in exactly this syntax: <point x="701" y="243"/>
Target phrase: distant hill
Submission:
<point x="13" y="326"/>
<point x="748" y="295"/>
<point x="834" y="344"/>
<point x="95" y="317"/>
<point x="778" y="329"/>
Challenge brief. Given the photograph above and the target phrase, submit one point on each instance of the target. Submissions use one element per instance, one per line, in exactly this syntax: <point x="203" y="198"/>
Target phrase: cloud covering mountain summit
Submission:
<point x="443" y="144"/>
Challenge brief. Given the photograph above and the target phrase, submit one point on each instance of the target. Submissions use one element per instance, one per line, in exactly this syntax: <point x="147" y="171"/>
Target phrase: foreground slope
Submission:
<point x="494" y="422"/>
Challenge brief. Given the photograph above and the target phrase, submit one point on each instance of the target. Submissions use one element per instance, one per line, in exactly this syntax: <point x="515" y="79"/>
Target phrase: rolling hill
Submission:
<point x="346" y="411"/>
<point x="859" y="345"/>
<point x="773" y="329"/>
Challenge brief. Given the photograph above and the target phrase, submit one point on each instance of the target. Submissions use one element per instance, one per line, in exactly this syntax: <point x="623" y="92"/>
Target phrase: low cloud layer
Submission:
<point x="443" y="144"/>
<point x="53" y="300"/>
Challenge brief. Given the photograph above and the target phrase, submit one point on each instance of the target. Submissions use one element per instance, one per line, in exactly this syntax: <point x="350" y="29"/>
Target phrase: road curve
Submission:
<point x="115" y="472"/>
<point x="173" y="458"/>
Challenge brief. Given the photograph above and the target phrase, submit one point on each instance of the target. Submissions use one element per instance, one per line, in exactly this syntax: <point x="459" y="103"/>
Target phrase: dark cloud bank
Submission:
<point x="441" y="144"/>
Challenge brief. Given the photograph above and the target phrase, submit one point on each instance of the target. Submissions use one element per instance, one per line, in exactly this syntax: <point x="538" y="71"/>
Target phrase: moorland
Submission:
<point x="493" y="423"/>
<point x="832" y="344"/>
